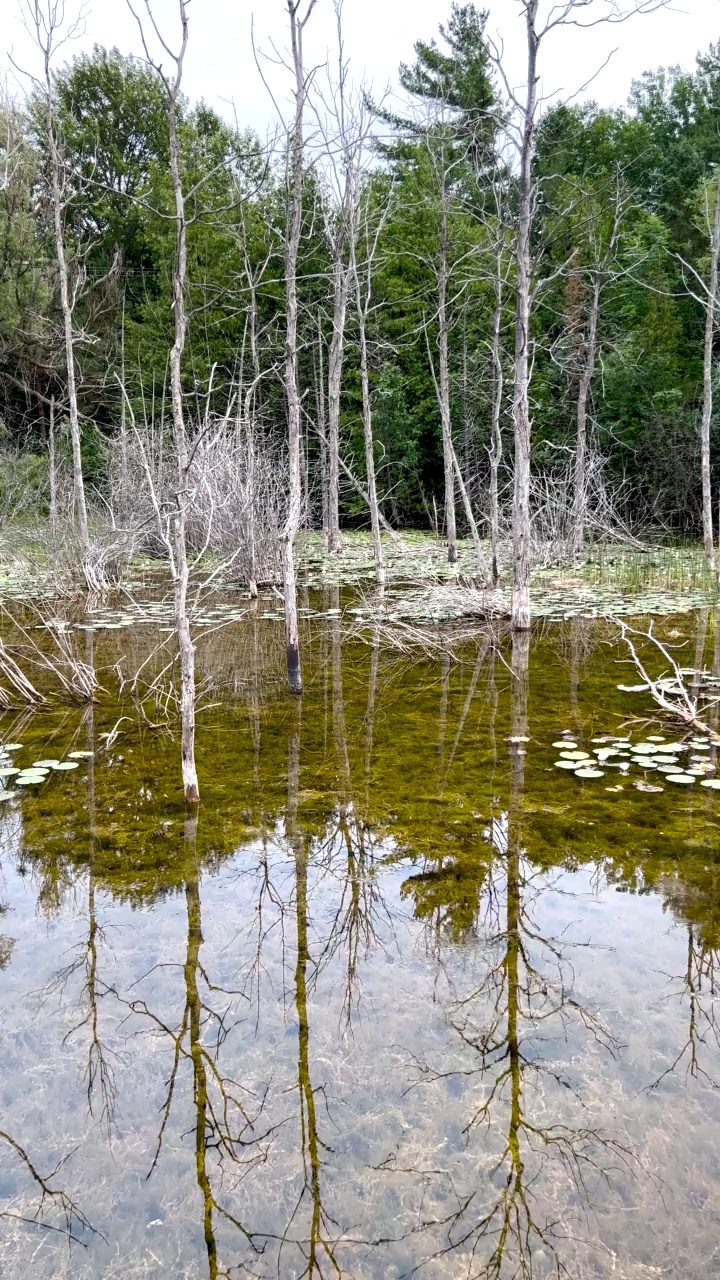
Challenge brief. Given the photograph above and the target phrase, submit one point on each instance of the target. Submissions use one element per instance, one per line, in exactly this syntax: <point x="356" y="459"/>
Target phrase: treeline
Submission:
<point x="406" y="280"/>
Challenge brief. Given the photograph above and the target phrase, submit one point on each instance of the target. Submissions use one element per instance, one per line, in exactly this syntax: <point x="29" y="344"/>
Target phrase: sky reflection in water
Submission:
<point x="404" y="997"/>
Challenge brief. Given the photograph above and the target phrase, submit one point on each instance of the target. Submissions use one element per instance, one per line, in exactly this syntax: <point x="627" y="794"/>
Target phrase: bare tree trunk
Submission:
<point x="580" y="478"/>
<point x="362" y="308"/>
<point x="177" y="551"/>
<point x="250" y="468"/>
<point x="468" y="425"/>
<point x="341" y="278"/>
<point x="520" y="614"/>
<point x="292" y="643"/>
<point x="123" y="411"/>
<point x="45" y="41"/>
<point x="182" y="570"/>
<point x="496" y="433"/>
<point x="52" y="465"/>
<point x="707" y="408"/>
<point x="469" y="516"/>
<point x="444" y="384"/>
<point x="322" y="432"/>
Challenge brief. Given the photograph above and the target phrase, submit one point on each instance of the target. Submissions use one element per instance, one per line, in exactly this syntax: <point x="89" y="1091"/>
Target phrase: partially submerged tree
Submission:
<point x="582" y="14"/>
<point x="178" y="551"/>
<point x="298" y="18"/>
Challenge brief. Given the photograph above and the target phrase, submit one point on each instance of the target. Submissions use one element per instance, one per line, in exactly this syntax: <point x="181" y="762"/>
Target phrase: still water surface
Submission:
<point x="405" y="1000"/>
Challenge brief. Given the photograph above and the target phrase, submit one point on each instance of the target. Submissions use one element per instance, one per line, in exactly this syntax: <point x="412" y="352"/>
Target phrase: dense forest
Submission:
<point x="455" y="308"/>
<point x="622" y="240"/>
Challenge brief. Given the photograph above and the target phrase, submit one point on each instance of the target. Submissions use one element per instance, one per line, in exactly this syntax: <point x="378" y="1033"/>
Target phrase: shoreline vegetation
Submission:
<point x="608" y="579"/>
<point x="460" y="307"/>
<point x="425" y="607"/>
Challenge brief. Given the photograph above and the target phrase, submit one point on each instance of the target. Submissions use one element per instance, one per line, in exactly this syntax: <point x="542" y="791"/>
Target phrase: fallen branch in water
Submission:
<point x="669" y="691"/>
<point x="19" y="681"/>
<point x="76" y="678"/>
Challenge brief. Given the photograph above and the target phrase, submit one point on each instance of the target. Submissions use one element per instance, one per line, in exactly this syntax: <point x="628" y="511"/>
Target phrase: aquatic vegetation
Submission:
<point x="392" y="890"/>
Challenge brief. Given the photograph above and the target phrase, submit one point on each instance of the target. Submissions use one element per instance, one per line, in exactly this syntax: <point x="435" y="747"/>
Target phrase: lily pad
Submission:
<point x="80" y="755"/>
<point x="565" y="745"/>
<point x="29" y="779"/>
<point x="633" y="688"/>
<point x="66" y="764"/>
<point x="566" y="764"/>
<point x="8" y="795"/>
<point x="686" y="778"/>
<point x="44" y="764"/>
<point x="589" y="773"/>
<point x="575" y="755"/>
<point x="713" y="783"/>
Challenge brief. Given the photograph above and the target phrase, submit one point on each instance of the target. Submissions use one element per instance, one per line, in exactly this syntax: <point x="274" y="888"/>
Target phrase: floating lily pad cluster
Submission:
<point x="152" y="613"/>
<point x="681" y="763"/>
<point x="13" y="776"/>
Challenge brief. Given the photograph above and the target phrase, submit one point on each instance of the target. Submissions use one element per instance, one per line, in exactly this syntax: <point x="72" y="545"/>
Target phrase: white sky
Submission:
<point x="378" y="35"/>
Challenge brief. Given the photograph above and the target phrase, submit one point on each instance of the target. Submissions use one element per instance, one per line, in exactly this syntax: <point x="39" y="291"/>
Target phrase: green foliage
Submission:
<point x="437" y="173"/>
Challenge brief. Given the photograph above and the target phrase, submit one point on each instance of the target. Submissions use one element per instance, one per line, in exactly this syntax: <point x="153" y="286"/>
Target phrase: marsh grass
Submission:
<point x="679" y="568"/>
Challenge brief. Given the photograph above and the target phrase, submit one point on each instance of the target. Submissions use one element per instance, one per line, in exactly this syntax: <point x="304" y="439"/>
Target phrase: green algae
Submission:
<point x="344" y="947"/>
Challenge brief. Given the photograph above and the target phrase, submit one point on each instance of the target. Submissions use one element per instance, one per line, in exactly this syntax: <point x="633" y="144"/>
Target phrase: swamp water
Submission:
<point x="405" y="999"/>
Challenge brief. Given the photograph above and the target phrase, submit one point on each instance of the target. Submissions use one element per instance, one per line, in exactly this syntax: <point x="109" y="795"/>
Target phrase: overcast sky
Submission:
<point x="379" y="34"/>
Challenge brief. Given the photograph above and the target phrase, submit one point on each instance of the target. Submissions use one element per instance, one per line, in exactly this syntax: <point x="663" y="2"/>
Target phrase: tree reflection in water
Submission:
<point x="230" y="1140"/>
<point x="467" y="1061"/>
<point x="50" y="1200"/>
<point x="505" y="1228"/>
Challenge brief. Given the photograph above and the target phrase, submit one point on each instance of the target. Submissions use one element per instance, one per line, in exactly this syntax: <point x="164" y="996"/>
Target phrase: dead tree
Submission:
<point x="707" y="408"/>
<point x="292" y="388"/>
<point x="444" y="361"/>
<point x="340" y="154"/>
<point x="369" y="236"/>
<point x="593" y="267"/>
<point x="495" y="451"/>
<point x="45" y="20"/>
<point x="178" y="557"/>
<point x="583" y="14"/>
<point x="520" y="616"/>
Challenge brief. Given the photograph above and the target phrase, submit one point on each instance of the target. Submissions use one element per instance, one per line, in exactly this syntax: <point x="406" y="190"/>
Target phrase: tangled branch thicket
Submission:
<point x="235" y="507"/>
